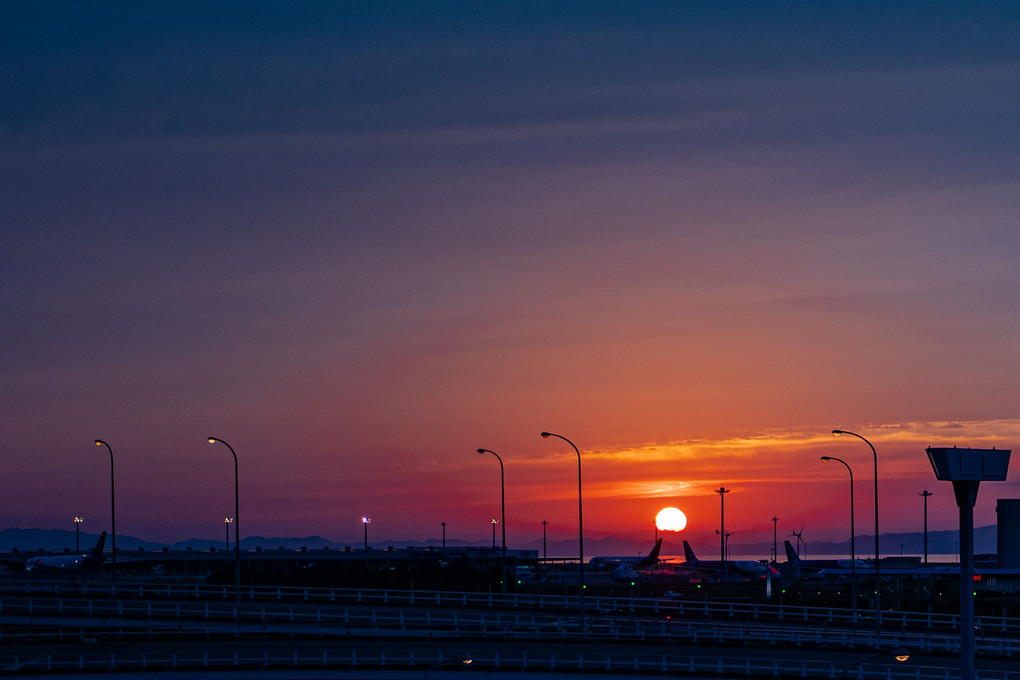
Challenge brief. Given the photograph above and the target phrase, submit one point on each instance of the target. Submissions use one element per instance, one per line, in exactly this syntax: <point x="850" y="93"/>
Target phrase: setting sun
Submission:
<point x="670" y="519"/>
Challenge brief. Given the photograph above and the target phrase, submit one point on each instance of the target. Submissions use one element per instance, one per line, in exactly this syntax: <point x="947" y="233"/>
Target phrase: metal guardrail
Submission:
<point x="891" y="620"/>
<point x="123" y="619"/>
<point x="703" y="666"/>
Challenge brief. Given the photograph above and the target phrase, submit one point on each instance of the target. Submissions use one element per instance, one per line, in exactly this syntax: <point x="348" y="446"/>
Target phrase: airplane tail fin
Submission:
<point x="98" y="549"/>
<point x="689" y="553"/>
<point x="653" y="556"/>
<point x="95" y="556"/>
<point x="791" y="552"/>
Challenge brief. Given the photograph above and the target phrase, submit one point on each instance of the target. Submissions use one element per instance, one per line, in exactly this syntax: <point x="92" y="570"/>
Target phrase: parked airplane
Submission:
<point x="627" y="567"/>
<point x="794" y="560"/>
<point x="720" y="569"/>
<point x="90" y="560"/>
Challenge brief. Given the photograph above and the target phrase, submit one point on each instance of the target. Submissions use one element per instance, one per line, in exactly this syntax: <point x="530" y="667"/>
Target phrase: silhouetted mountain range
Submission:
<point x="939" y="542"/>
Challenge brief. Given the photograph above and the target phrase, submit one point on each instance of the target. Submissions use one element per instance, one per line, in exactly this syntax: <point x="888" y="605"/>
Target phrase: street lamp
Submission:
<point x="775" y="540"/>
<point x="113" y="512"/>
<point x="853" y="552"/>
<point x="925" y="494"/>
<point x="722" y="491"/>
<point x="966" y="469"/>
<point x="502" y="507"/>
<point x="226" y="525"/>
<point x="237" y="532"/>
<point x="580" y="520"/>
<point x="77" y="524"/>
<point x="878" y="579"/>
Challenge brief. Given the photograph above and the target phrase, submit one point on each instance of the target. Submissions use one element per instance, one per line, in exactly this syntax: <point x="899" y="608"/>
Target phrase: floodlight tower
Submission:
<point x="966" y="469"/>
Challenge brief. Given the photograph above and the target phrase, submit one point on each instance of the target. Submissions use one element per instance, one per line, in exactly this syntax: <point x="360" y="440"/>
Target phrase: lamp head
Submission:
<point x="826" y="458"/>
<point x="211" y="440"/>
<point x="99" y="442"/>
<point x="836" y="433"/>
<point x="546" y="435"/>
<point x="365" y="520"/>
<point x="481" y="450"/>
<point x="901" y="655"/>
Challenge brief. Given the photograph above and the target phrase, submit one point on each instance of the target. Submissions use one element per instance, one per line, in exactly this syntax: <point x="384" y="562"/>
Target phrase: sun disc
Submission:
<point x="670" y="519"/>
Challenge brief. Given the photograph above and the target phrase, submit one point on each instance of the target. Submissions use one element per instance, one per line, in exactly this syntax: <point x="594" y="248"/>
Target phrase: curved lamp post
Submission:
<point x="580" y="520"/>
<point x="237" y="531"/>
<point x="113" y="512"/>
<point x="853" y="552"/>
<point x="900" y="655"/>
<point x="502" y="507"/>
<point x="878" y="580"/>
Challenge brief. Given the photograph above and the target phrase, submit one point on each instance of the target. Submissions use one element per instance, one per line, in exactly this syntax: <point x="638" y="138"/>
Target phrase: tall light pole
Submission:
<point x="237" y="533"/>
<point x="722" y="491"/>
<point x="494" y="523"/>
<point x="580" y="521"/>
<point x="925" y="494"/>
<point x="545" y="553"/>
<point x="853" y="553"/>
<point x="444" y="534"/>
<point x="113" y="512"/>
<point x="878" y="578"/>
<point x="77" y="524"/>
<point x="775" y="540"/>
<point x="966" y="469"/>
<point x="227" y="521"/>
<point x="502" y="508"/>
<point x="365" y="521"/>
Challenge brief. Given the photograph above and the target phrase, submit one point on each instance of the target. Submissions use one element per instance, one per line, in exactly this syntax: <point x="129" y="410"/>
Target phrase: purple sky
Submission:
<point x="360" y="240"/>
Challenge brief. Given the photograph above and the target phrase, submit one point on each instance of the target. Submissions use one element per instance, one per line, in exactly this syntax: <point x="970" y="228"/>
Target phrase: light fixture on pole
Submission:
<point x="925" y="494"/>
<point x="966" y="469"/>
<point x="580" y="522"/>
<point x="775" y="540"/>
<point x="853" y="551"/>
<point x="878" y="559"/>
<point x="237" y="533"/>
<point x="77" y="524"/>
<point x="722" y="491"/>
<point x="113" y="512"/>
<point x="502" y="509"/>
<point x="227" y="521"/>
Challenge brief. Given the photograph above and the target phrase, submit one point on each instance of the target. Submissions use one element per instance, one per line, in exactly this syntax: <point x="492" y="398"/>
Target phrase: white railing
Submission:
<point x="595" y="605"/>
<point x="122" y="619"/>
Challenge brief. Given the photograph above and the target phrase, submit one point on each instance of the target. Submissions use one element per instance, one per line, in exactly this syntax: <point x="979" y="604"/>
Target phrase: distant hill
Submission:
<point x="939" y="542"/>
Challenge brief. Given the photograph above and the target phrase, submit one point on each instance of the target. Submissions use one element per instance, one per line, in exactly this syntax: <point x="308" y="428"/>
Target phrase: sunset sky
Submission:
<point x="360" y="240"/>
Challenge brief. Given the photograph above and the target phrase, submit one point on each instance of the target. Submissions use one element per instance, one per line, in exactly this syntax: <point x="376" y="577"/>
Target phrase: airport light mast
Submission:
<point x="113" y="513"/>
